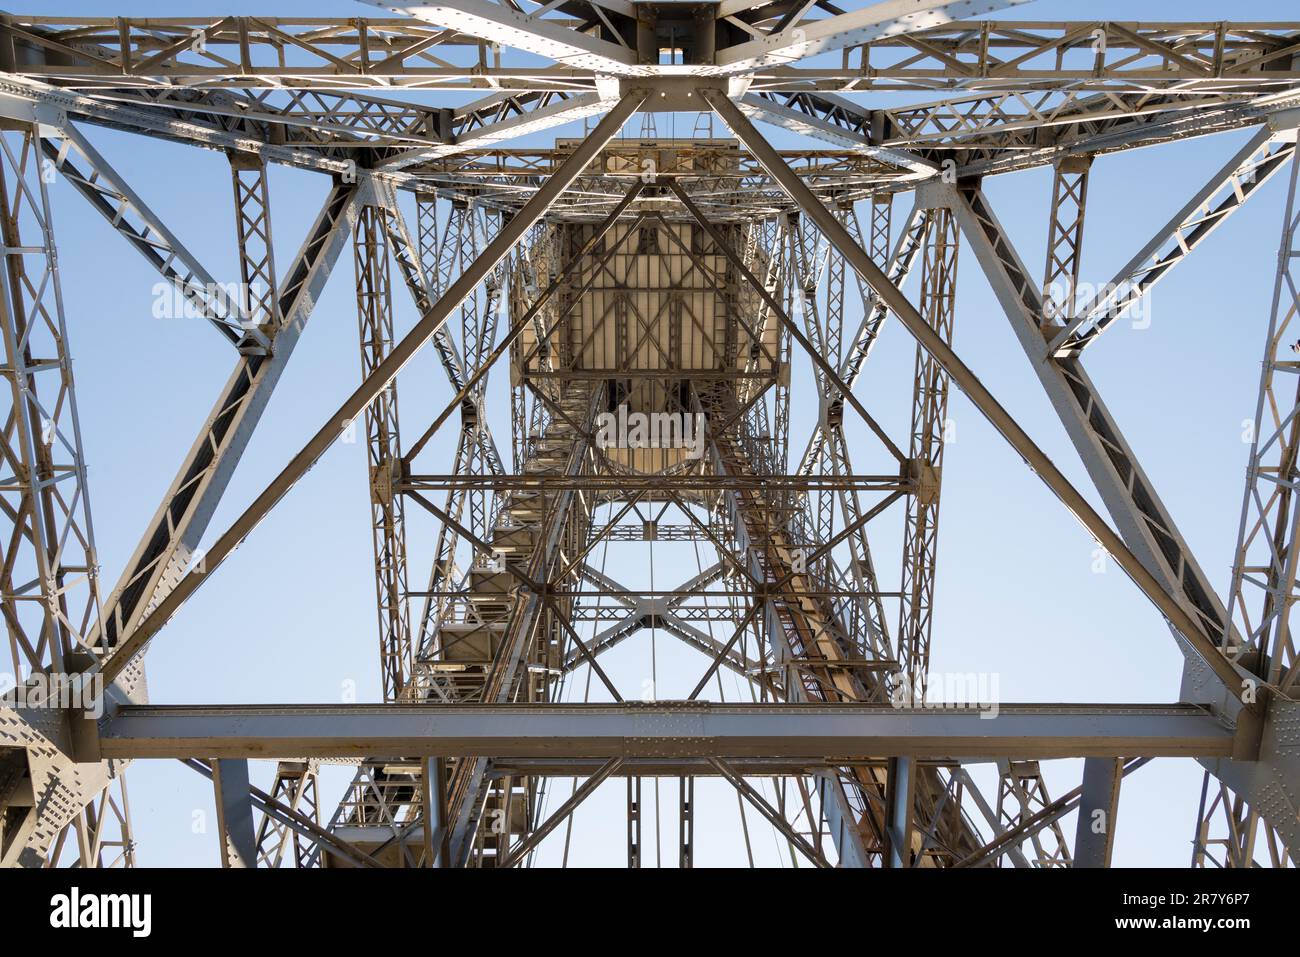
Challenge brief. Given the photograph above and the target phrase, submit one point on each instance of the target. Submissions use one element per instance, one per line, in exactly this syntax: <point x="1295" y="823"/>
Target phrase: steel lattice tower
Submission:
<point x="675" y="278"/>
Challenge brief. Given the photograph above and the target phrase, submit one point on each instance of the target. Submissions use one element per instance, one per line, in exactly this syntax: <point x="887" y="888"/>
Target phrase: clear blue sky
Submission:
<point x="290" y="617"/>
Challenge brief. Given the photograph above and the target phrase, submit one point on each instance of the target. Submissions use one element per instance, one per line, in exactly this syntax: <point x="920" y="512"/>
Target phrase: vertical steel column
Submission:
<point x="49" y="569"/>
<point x="686" y="822"/>
<point x="1263" y="591"/>
<point x="433" y="797"/>
<point x="441" y="573"/>
<point x="458" y="248"/>
<point x="925" y="458"/>
<point x="1263" y="587"/>
<point x="900" y="798"/>
<point x="234" y="812"/>
<point x="426" y="228"/>
<point x="384" y="450"/>
<point x="811" y="259"/>
<point x="882" y="216"/>
<point x="828" y="437"/>
<point x="1065" y="238"/>
<point x="1094" y="836"/>
<point x="259" y="309"/>
<point x="465" y="233"/>
<point x="633" y="821"/>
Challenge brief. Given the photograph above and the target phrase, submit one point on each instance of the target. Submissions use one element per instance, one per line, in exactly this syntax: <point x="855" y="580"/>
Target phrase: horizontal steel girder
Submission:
<point x="659" y="482"/>
<point x="663" y="729"/>
<point x="906" y="44"/>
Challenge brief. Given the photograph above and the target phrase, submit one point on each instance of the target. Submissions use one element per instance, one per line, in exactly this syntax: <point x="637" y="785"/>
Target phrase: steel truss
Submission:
<point x="606" y="276"/>
<point x="55" y="811"/>
<point x="1231" y="830"/>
